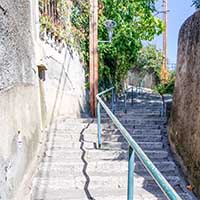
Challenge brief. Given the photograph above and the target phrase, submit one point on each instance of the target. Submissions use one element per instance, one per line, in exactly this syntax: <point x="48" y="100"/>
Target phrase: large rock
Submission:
<point x="185" y="117"/>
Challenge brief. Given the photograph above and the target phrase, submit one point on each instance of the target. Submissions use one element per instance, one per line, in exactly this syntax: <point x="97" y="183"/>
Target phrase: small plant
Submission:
<point x="196" y="3"/>
<point x="45" y="22"/>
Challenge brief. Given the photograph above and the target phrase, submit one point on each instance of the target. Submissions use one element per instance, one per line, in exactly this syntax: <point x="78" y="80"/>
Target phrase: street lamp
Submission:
<point x="110" y="25"/>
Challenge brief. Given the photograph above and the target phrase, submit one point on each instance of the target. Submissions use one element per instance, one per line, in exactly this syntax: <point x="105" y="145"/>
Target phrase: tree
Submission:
<point x="135" y="23"/>
<point x="149" y="59"/>
<point x="196" y="3"/>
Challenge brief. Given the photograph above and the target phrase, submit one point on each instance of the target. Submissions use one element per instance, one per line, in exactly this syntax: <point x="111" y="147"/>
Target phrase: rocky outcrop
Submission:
<point x="185" y="117"/>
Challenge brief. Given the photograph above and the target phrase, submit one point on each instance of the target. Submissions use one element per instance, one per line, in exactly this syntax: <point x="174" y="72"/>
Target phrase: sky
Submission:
<point x="179" y="11"/>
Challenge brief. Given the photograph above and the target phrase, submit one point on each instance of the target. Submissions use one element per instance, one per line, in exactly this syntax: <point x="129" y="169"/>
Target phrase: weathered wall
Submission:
<point x="15" y="43"/>
<point x="134" y="78"/>
<point x="185" y="116"/>
<point x="28" y="104"/>
<point x="20" y="124"/>
<point x="64" y="84"/>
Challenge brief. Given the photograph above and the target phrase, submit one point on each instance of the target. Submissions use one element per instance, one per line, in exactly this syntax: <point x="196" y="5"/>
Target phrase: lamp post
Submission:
<point x="93" y="40"/>
<point x="93" y="37"/>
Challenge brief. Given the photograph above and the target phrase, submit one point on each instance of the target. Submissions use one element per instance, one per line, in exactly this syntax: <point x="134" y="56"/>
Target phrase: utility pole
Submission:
<point x="93" y="56"/>
<point x="164" y="70"/>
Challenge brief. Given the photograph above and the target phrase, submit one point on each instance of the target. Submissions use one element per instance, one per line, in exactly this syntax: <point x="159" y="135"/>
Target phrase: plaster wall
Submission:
<point x="27" y="104"/>
<point x="64" y="84"/>
<point x="20" y="123"/>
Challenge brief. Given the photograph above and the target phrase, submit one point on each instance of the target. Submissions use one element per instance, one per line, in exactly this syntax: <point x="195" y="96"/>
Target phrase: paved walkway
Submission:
<point x="73" y="168"/>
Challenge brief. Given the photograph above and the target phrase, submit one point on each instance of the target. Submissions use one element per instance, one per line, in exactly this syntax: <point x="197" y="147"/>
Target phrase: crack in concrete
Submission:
<point x="86" y="187"/>
<point x="3" y="10"/>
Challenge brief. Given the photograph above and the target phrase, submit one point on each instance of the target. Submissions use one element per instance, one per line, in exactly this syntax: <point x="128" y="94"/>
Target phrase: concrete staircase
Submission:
<point x="73" y="168"/>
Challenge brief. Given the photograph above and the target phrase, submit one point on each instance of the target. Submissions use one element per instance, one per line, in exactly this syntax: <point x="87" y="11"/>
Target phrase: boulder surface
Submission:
<point x="185" y="117"/>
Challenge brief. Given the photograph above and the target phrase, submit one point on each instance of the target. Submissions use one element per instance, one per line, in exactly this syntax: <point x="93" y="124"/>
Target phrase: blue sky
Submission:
<point x="179" y="11"/>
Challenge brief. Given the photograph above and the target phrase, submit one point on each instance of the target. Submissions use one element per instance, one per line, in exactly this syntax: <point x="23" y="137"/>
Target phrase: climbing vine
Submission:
<point x="54" y="17"/>
<point x="80" y="27"/>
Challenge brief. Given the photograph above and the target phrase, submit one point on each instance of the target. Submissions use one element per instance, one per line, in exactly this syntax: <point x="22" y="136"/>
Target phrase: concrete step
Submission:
<point x="79" y="194"/>
<point x="105" y="137"/>
<point x="137" y="138"/>
<point x="106" y="145"/>
<point x="143" y="145"/>
<point x="142" y="131"/>
<point x="108" y="129"/>
<point x="143" y="126"/>
<point x="140" y="118"/>
<point x="102" y="154"/>
<point x="136" y="113"/>
<point x="64" y="128"/>
<point x="138" y="121"/>
<point x="99" y="181"/>
<point x="92" y="169"/>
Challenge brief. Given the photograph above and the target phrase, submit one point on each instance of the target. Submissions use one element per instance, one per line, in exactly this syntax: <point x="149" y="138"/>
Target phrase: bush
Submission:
<point x="168" y="88"/>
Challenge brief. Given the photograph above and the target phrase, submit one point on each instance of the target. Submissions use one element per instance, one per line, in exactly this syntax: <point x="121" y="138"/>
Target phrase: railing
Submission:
<point x="134" y="148"/>
<point x="138" y="90"/>
<point x="126" y="92"/>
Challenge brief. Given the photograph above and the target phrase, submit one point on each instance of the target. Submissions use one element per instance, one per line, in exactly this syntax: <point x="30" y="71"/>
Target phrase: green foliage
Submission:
<point x="80" y="28"/>
<point x="149" y="60"/>
<point x="168" y="88"/>
<point x="196" y="3"/>
<point x="58" y="23"/>
<point x="135" y="23"/>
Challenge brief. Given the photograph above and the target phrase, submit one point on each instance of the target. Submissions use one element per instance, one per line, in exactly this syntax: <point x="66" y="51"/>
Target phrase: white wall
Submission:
<point x="21" y="129"/>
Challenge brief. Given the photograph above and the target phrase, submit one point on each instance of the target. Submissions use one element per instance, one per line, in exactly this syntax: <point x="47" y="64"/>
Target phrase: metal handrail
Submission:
<point x="134" y="148"/>
<point x="125" y="97"/>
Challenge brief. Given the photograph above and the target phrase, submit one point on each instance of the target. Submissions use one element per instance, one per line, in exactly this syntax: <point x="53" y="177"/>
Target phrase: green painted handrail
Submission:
<point x="135" y="148"/>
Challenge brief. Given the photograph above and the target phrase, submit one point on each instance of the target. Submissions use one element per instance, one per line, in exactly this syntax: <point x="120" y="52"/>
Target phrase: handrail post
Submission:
<point x="125" y="103"/>
<point x="99" y="123"/>
<point x="131" y="164"/>
<point x="162" y="107"/>
<point x="132" y="96"/>
<point x="113" y="100"/>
